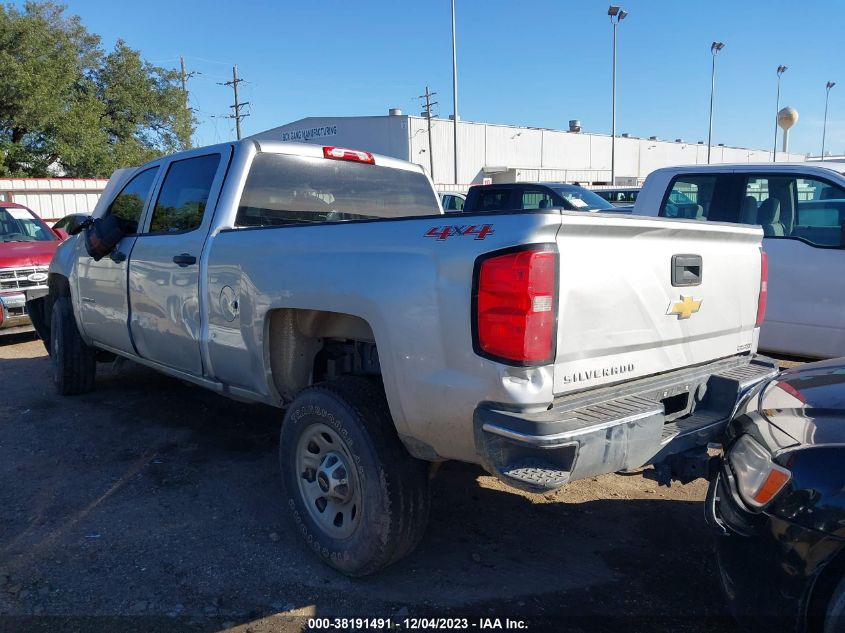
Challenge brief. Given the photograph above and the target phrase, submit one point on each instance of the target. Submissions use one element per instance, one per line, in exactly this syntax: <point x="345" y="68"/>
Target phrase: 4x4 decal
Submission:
<point x="480" y="231"/>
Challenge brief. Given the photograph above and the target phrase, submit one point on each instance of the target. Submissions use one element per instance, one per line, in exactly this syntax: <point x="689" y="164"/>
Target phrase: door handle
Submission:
<point x="185" y="259"/>
<point x="117" y="256"/>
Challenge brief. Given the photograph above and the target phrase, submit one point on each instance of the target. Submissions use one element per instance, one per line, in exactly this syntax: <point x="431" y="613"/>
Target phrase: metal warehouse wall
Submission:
<point x="487" y="149"/>
<point x="505" y="152"/>
<point x="53" y="198"/>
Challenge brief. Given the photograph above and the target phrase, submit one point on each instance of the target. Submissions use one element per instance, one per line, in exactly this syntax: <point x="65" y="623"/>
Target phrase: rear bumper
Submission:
<point x="616" y="428"/>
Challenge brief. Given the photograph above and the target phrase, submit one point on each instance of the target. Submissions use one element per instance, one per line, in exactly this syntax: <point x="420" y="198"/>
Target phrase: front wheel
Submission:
<point x="358" y="498"/>
<point x="74" y="363"/>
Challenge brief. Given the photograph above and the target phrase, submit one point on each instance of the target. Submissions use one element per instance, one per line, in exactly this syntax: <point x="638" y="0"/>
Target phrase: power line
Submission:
<point x="427" y="114"/>
<point x="237" y="105"/>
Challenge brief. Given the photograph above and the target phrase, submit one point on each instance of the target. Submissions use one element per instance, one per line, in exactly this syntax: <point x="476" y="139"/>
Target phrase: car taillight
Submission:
<point x="764" y="288"/>
<point x="758" y="478"/>
<point x="515" y="306"/>
<point x="354" y="155"/>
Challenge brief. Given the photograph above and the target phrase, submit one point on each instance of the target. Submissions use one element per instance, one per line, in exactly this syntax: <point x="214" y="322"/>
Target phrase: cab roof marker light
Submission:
<point x="353" y="155"/>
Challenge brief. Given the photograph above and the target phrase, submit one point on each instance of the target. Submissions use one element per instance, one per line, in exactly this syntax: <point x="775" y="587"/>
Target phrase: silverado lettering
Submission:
<point x="591" y="374"/>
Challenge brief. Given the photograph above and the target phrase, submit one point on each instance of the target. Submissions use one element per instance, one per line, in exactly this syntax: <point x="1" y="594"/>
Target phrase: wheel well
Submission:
<point x="308" y="346"/>
<point x="822" y="591"/>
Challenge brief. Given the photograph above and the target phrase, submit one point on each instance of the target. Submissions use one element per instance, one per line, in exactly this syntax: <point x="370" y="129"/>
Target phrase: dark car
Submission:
<point x="530" y="196"/>
<point x="778" y="502"/>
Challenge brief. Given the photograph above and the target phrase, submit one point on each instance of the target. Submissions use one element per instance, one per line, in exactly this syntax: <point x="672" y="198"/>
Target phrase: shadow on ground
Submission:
<point x="157" y="504"/>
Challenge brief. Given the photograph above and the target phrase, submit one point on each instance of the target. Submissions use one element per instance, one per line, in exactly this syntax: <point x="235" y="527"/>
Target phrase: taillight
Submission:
<point x="354" y="155"/>
<point x="515" y="306"/>
<point x="764" y="288"/>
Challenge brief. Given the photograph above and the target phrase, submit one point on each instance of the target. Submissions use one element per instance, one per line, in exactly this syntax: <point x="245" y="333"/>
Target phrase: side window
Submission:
<point x="184" y="194"/>
<point x="819" y="212"/>
<point x="536" y="199"/>
<point x="457" y="204"/>
<point x="689" y="197"/>
<point x="494" y="200"/>
<point x="795" y="207"/>
<point x="130" y="202"/>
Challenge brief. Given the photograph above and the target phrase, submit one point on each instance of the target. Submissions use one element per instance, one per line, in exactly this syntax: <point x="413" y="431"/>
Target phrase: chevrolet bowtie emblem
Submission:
<point x="684" y="308"/>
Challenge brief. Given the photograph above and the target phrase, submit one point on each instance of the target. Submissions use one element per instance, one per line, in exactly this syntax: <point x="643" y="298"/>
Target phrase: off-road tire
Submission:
<point x="74" y="363"/>
<point x="834" y="620"/>
<point x="394" y="486"/>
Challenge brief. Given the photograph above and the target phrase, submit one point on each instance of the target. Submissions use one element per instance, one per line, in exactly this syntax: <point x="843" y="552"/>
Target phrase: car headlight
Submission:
<point x="758" y="478"/>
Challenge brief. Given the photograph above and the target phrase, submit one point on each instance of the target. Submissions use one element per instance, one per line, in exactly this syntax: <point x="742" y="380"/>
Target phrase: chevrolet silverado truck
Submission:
<point x="27" y="245"/>
<point x="543" y="344"/>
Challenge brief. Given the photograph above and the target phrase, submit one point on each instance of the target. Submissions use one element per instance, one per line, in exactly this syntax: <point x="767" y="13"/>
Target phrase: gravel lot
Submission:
<point x="150" y="505"/>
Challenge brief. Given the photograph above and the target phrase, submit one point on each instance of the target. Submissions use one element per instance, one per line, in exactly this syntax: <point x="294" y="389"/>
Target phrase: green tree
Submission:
<point x="68" y="105"/>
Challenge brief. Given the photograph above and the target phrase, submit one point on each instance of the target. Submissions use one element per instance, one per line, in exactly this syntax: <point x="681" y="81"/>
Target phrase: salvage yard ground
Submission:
<point x="150" y="505"/>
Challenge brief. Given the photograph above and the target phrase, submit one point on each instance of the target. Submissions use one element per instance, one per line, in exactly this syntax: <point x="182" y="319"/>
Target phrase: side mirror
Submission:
<point x="74" y="223"/>
<point x="61" y="234"/>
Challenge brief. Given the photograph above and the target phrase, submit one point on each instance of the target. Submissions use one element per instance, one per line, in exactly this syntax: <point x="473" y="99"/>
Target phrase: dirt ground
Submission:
<point x="150" y="505"/>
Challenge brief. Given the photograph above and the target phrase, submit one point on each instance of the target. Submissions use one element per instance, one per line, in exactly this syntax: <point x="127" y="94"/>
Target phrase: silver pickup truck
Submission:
<point x="545" y="345"/>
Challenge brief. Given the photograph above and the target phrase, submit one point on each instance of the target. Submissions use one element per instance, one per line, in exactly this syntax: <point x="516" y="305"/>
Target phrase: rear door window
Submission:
<point x="494" y="200"/>
<point x="689" y="197"/>
<point x="184" y="194"/>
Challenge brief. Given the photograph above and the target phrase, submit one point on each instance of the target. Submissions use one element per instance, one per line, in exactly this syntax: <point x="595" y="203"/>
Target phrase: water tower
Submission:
<point x="787" y="117"/>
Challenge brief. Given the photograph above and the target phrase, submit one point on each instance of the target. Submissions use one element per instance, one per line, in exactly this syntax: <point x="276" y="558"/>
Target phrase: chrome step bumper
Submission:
<point x="612" y="429"/>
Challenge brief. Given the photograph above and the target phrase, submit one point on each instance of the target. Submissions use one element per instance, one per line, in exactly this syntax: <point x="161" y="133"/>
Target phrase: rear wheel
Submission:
<point x="74" y="363"/>
<point x="358" y="498"/>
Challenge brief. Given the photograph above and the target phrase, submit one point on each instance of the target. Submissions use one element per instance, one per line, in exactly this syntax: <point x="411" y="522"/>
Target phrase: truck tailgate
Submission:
<point x="620" y="316"/>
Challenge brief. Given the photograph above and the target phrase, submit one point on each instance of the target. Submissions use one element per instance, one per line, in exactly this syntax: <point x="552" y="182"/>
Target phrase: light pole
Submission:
<point x="828" y="86"/>
<point x="780" y="71"/>
<point x="715" y="47"/>
<point x="614" y="12"/>
<point x="455" y="91"/>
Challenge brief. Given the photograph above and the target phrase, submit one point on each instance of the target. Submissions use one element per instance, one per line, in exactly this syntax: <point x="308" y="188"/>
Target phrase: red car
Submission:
<point x="27" y="245"/>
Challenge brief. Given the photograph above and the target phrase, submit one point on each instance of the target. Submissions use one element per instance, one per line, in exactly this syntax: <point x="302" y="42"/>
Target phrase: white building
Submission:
<point x="53" y="198"/>
<point x="508" y="153"/>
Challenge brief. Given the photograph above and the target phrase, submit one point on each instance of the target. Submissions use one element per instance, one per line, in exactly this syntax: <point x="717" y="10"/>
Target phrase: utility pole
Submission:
<point x="428" y="103"/>
<point x="184" y="76"/>
<point x="238" y="105"/>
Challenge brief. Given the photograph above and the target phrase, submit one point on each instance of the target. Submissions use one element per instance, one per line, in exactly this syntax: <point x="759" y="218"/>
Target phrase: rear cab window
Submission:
<point x="283" y="190"/>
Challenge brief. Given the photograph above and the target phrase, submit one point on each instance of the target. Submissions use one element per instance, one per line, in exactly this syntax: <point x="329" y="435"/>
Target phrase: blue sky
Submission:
<point x="533" y="62"/>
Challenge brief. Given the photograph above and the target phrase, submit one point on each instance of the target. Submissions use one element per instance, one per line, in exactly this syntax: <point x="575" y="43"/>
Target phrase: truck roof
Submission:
<point x="837" y="166"/>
